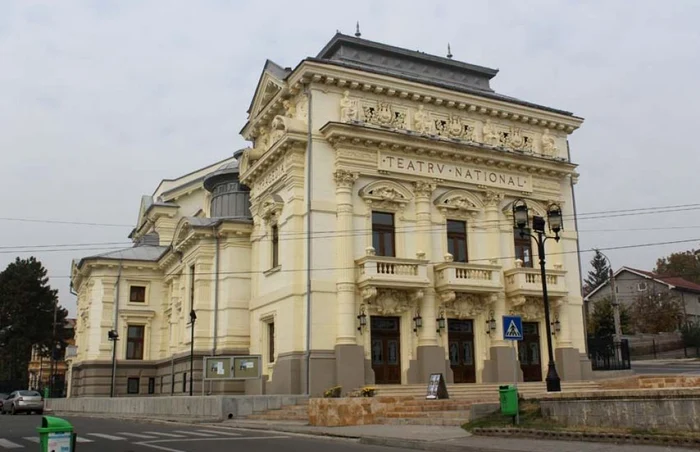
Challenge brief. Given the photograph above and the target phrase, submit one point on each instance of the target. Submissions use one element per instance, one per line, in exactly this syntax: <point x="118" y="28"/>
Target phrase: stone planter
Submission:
<point x="345" y="411"/>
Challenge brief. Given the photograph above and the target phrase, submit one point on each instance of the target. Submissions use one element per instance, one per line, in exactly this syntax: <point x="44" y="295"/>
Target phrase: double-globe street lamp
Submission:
<point x="521" y="222"/>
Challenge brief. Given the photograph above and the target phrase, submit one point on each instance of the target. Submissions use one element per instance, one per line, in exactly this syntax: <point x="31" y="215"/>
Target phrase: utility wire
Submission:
<point x="580" y="216"/>
<point x="471" y="261"/>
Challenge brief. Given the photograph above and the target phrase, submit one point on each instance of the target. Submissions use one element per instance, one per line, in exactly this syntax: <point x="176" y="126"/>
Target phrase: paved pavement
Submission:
<point x="444" y="439"/>
<point x="689" y="366"/>
<point x="18" y="433"/>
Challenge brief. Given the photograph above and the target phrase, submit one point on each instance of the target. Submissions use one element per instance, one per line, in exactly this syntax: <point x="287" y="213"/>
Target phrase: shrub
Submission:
<point x="333" y="392"/>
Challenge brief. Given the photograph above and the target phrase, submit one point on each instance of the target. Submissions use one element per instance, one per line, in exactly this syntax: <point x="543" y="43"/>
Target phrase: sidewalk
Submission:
<point x="440" y="439"/>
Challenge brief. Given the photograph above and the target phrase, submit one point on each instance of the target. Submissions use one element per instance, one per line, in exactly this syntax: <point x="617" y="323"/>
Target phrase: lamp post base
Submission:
<point x="553" y="380"/>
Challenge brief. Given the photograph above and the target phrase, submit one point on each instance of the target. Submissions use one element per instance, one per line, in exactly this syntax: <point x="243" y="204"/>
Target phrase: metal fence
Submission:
<point x="605" y="354"/>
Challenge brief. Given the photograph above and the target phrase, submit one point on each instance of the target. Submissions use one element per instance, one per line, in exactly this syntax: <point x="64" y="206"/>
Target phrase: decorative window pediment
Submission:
<point x="458" y="203"/>
<point x="271" y="207"/>
<point x="386" y="195"/>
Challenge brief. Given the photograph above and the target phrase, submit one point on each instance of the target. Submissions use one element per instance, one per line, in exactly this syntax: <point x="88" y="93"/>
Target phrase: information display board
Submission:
<point x="246" y="367"/>
<point x="217" y="368"/>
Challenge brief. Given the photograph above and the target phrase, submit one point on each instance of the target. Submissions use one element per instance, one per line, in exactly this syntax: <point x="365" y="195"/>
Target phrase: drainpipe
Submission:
<point x="116" y="329"/>
<point x="309" y="181"/>
<point x="216" y="291"/>
<point x="578" y="253"/>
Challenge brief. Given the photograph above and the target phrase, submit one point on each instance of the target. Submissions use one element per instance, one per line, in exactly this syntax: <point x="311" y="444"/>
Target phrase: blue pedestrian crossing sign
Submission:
<point x="512" y="328"/>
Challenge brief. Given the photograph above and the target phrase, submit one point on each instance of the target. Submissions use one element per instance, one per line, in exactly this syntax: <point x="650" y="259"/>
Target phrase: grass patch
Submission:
<point x="531" y="417"/>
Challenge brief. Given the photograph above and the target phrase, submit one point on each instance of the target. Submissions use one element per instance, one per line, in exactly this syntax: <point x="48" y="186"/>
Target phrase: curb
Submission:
<point x="618" y="438"/>
<point x="427" y="445"/>
<point x="148" y="420"/>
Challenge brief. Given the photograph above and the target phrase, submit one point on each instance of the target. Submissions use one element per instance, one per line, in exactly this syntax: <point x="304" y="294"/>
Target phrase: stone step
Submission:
<point x="457" y="414"/>
<point x="272" y="415"/>
<point x="430" y="408"/>
<point x="422" y="421"/>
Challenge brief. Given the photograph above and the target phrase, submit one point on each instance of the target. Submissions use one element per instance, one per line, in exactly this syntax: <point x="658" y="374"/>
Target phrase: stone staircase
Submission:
<point x="297" y="413"/>
<point x="428" y="412"/>
<point x="483" y="392"/>
<point x="407" y="405"/>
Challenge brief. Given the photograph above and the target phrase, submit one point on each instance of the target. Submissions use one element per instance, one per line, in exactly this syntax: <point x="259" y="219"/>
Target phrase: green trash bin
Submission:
<point x="56" y="435"/>
<point x="508" y="395"/>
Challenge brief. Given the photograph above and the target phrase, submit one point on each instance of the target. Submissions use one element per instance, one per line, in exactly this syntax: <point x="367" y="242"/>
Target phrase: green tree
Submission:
<point x="685" y="264"/>
<point x="598" y="275"/>
<point x="28" y="306"/>
<point x="657" y="312"/>
<point x="602" y="322"/>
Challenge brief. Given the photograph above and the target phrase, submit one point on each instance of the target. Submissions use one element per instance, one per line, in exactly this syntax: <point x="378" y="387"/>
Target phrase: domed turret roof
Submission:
<point x="226" y="173"/>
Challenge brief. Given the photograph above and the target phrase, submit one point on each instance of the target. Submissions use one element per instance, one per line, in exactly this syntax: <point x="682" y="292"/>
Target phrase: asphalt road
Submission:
<point x="670" y="367"/>
<point x="18" y="433"/>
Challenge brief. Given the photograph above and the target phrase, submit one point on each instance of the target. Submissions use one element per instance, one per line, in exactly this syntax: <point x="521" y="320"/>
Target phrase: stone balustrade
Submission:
<point x="524" y="281"/>
<point x="466" y="277"/>
<point x="383" y="271"/>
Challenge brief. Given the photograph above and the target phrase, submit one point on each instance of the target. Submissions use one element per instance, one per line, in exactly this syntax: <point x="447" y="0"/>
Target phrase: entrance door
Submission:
<point x="386" y="349"/>
<point x="529" y="352"/>
<point x="460" y="336"/>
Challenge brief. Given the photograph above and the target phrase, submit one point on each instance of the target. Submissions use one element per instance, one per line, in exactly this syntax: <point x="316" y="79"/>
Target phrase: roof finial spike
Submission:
<point x="449" y="51"/>
<point x="357" y="29"/>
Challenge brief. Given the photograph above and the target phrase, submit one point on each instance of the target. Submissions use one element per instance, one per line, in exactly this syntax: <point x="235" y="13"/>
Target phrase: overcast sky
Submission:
<point x="100" y="100"/>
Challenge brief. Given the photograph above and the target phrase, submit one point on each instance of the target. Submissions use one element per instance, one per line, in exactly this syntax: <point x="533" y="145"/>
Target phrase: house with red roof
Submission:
<point x="630" y="283"/>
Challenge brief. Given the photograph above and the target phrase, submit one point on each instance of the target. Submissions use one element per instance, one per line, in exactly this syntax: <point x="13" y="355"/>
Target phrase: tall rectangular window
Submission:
<point x="152" y="385"/>
<point x="192" y="287"/>
<point x="134" y="341"/>
<point x="137" y="294"/>
<point x="271" y="342"/>
<point x="383" y="234"/>
<point x="523" y="247"/>
<point x="275" y="246"/>
<point x="132" y="385"/>
<point x="184" y="382"/>
<point x="457" y="240"/>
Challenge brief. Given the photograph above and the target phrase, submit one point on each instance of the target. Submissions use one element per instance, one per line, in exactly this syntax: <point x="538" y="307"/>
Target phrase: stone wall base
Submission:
<point x="429" y="360"/>
<point x="501" y="366"/>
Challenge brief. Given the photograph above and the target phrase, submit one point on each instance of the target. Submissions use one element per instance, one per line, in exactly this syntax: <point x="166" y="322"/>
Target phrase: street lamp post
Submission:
<point x="193" y="318"/>
<point x="521" y="221"/>
<point x="114" y="337"/>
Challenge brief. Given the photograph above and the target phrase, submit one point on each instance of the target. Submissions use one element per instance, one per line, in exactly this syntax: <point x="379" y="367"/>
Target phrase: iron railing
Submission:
<point x="606" y="354"/>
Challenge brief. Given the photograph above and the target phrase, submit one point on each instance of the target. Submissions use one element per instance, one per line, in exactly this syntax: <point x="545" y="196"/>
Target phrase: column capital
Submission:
<point x="493" y="198"/>
<point x="344" y="178"/>
<point x="423" y="189"/>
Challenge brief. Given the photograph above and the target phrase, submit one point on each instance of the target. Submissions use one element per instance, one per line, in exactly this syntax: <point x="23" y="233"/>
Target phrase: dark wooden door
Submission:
<point x="386" y="350"/>
<point x="529" y="352"/>
<point x="460" y="338"/>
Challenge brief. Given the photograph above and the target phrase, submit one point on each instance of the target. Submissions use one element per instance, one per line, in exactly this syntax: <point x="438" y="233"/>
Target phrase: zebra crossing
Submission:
<point x="91" y="437"/>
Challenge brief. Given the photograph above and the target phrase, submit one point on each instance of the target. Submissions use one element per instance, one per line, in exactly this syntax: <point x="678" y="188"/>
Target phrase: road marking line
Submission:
<point x="168" y="449"/>
<point x="138" y="435"/>
<point x="80" y="439"/>
<point x="193" y="433"/>
<point x="220" y="432"/>
<point x="169" y="435"/>
<point x="105" y="436"/>
<point x="34" y="439"/>
<point x="7" y="444"/>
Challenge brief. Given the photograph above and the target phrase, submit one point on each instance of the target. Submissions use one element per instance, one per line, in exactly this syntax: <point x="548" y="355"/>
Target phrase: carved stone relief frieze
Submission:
<point x="449" y="126"/>
<point x="466" y="305"/>
<point x="384" y="114"/>
<point x="384" y="194"/>
<point x="390" y="301"/>
<point x="530" y="308"/>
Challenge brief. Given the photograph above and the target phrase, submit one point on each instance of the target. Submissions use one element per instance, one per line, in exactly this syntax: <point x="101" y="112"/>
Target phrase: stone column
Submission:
<point x="349" y="357"/>
<point x="566" y="357"/>
<point x="430" y="357"/>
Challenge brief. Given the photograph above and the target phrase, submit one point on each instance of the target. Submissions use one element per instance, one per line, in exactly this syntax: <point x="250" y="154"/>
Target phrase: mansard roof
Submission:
<point x="416" y="66"/>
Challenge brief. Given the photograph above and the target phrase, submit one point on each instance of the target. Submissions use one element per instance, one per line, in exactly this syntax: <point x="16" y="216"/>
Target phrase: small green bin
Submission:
<point x="56" y="435"/>
<point x="508" y="395"/>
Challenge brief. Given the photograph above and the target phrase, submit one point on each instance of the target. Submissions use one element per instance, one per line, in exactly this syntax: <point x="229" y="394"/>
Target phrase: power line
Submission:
<point x="59" y="245"/>
<point x="580" y="216"/>
<point x="487" y="259"/>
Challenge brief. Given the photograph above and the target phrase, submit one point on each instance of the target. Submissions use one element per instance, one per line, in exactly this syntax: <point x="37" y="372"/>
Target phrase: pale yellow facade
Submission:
<point x="331" y="144"/>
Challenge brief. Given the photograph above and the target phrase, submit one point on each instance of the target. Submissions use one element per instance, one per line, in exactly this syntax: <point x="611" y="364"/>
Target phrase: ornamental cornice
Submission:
<point x="365" y="137"/>
<point x="358" y="80"/>
<point x="254" y="165"/>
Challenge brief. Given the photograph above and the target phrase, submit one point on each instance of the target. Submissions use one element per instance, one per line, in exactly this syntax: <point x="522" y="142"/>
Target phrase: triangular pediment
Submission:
<point x="271" y="82"/>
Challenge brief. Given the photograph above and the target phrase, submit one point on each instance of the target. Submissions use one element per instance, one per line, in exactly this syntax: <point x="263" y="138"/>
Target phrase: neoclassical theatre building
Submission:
<point x="365" y="237"/>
